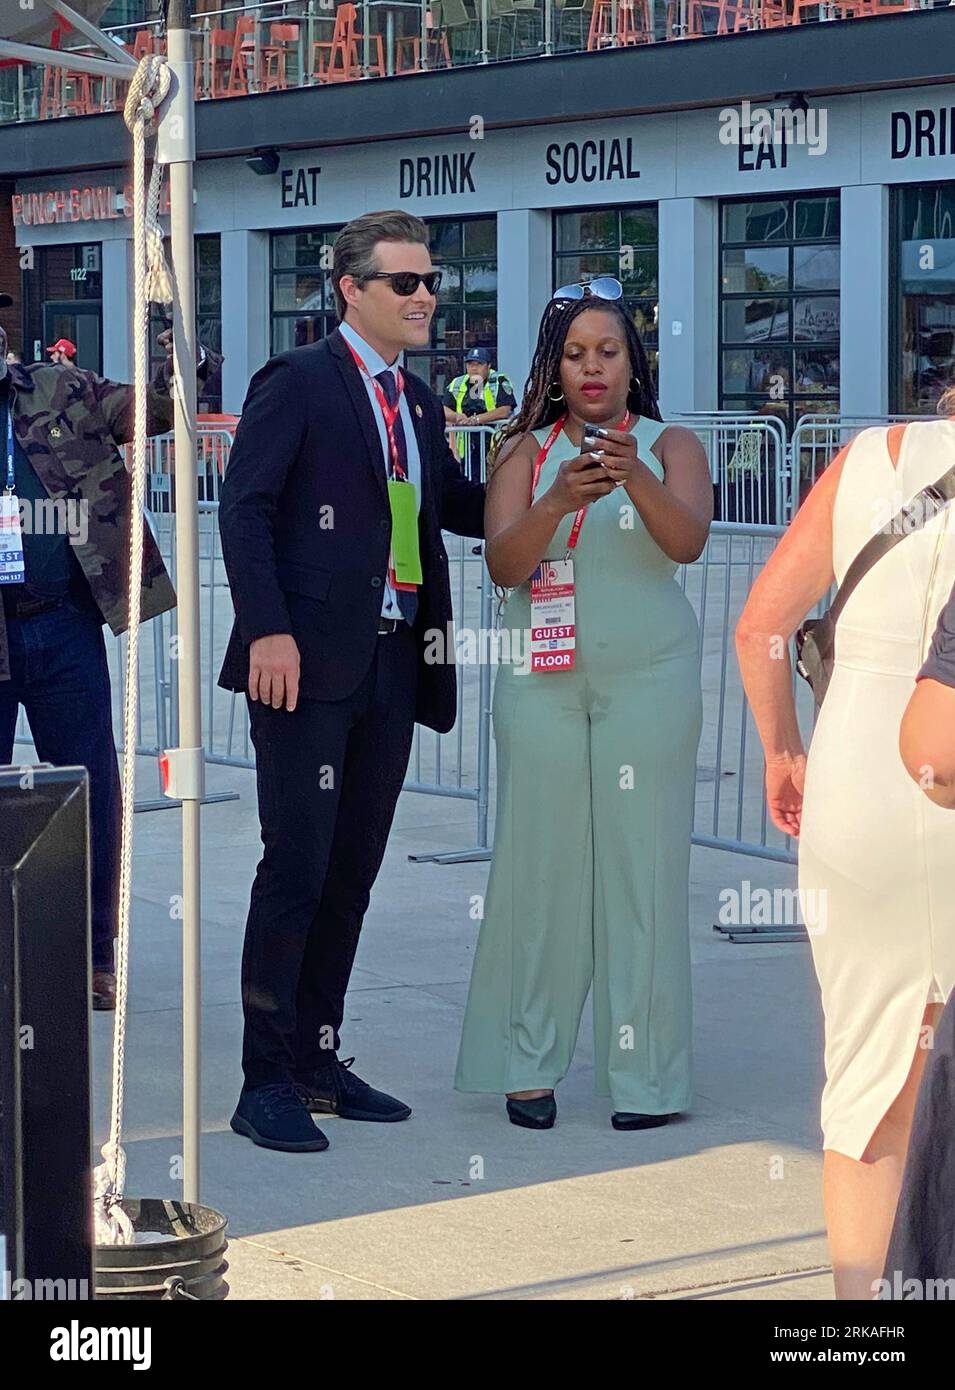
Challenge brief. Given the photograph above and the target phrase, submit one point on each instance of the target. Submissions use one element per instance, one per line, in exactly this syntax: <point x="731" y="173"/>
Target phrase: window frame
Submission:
<point x="793" y="400"/>
<point x="644" y="302"/>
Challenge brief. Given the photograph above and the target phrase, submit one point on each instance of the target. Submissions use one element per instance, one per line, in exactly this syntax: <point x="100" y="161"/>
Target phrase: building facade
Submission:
<point x="779" y="255"/>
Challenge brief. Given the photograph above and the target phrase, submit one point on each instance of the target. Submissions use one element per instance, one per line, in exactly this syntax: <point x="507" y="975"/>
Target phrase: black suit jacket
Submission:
<point x="306" y="525"/>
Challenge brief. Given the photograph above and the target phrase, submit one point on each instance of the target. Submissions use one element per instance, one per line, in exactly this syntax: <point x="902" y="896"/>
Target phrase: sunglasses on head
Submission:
<point x="405" y="282"/>
<point x="603" y="287"/>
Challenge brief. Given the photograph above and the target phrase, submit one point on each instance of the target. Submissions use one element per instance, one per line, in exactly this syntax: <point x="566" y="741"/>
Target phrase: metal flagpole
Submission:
<point x="176" y="147"/>
<point x="185" y="764"/>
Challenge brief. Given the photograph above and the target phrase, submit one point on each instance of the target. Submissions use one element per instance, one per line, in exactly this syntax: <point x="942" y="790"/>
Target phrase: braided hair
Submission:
<point x="537" y="407"/>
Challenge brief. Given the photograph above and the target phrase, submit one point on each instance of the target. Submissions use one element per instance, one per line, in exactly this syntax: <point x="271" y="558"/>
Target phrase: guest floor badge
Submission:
<point x="552" y="616"/>
<point x="11" y="540"/>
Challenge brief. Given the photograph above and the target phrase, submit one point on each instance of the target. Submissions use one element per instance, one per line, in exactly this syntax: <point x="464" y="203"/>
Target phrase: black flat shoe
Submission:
<point x="626" y="1119"/>
<point x="533" y="1114"/>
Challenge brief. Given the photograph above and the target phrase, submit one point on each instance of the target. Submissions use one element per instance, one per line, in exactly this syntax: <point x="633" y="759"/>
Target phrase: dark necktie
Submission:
<point x="407" y="598"/>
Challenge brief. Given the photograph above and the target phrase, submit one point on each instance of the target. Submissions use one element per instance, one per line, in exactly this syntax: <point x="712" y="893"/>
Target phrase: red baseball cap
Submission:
<point x="63" y="345"/>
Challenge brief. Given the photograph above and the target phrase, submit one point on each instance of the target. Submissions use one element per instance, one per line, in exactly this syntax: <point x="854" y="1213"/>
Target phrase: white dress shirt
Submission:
<point x="375" y="363"/>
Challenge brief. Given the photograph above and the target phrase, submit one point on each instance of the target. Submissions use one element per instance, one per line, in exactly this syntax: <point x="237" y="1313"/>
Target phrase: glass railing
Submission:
<point x="244" y="49"/>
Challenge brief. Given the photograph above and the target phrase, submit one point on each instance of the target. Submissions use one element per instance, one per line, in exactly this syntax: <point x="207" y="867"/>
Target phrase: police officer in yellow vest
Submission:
<point x="478" y="397"/>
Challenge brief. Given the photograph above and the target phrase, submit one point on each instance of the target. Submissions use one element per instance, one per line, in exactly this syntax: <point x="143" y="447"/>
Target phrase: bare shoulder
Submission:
<point x="678" y="437"/>
<point x="520" y="447"/>
<point x="678" y="446"/>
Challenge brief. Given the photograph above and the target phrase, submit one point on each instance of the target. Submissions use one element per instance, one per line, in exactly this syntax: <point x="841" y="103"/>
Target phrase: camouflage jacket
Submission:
<point x="70" y="424"/>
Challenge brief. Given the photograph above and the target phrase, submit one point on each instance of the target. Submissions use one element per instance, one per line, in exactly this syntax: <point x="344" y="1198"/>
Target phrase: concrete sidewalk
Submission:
<point x="456" y="1202"/>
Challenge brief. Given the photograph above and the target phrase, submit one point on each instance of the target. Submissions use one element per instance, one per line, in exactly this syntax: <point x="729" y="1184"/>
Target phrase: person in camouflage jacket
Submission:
<point x="68" y="426"/>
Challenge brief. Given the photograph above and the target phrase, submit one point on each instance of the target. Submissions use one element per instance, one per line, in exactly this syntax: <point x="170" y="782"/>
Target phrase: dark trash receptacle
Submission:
<point x="182" y="1257"/>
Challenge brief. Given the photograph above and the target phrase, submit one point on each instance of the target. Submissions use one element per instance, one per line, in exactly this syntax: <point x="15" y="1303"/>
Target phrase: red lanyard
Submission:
<point x="389" y="412"/>
<point x="545" y="449"/>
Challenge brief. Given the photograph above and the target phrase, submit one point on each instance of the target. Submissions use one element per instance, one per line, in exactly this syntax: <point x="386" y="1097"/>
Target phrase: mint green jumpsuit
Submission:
<point x="596" y="776"/>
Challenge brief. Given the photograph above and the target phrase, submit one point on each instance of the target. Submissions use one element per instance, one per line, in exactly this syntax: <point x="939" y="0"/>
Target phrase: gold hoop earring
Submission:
<point x="558" y="397"/>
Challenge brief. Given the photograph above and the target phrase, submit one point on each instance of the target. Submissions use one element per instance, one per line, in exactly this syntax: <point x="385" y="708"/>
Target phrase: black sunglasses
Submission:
<point x="405" y="282"/>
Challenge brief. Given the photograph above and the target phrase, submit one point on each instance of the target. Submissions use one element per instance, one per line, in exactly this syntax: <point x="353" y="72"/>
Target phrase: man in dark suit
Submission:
<point x="331" y="511"/>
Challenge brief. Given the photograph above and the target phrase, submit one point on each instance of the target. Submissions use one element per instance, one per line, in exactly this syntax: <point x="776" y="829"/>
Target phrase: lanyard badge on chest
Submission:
<point x="404" y="561"/>
<point x="553" y="593"/>
<point x="12" y="570"/>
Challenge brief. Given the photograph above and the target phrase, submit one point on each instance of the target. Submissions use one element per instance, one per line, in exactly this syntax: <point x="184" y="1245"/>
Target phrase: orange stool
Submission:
<point x="633" y="24"/>
<point x="344" y="50"/>
<point x="242" y="72"/>
<point x="76" y="94"/>
<point x="283" y="39"/>
<point x="760" y="14"/>
<point x="51" y="93"/>
<point x="727" y="17"/>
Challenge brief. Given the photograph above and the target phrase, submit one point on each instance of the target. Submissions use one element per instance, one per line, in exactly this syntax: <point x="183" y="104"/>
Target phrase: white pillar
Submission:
<point x="245" y="312"/>
<point x="689" y="300"/>
<point x="524" y="261"/>
<point x="864" y="301"/>
<point x="116" y="263"/>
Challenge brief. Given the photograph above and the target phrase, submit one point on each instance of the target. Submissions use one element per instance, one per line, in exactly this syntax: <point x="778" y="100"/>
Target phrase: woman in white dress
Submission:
<point x="876" y="857"/>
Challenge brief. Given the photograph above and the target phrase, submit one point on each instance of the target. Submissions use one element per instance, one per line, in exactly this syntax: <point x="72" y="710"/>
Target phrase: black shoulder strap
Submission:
<point x="911" y="517"/>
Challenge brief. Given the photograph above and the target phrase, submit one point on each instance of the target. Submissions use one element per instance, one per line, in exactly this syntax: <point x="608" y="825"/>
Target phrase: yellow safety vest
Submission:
<point x="459" y="389"/>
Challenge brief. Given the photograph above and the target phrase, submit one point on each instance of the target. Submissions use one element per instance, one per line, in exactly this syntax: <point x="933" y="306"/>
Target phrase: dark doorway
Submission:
<point x="82" y="324"/>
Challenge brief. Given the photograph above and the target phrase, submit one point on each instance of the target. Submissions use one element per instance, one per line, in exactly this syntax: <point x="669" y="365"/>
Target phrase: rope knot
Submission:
<point x="147" y="89"/>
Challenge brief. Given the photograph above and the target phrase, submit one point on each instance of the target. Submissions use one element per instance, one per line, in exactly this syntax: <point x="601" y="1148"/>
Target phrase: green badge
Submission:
<point x="405" y="553"/>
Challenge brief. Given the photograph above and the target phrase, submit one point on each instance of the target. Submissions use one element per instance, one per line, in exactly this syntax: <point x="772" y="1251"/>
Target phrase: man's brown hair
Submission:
<point x="354" y="252"/>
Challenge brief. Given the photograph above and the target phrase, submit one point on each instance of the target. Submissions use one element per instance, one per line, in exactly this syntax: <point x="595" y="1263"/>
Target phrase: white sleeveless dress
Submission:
<point x="876" y="857"/>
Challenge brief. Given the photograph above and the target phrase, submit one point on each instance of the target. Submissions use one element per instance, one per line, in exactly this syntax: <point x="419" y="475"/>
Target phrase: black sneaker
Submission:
<point x="335" y="1090"/>
<point x="276" y="1117"/>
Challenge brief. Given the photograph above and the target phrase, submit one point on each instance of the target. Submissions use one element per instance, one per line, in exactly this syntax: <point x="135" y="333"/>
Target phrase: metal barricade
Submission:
<point x="730" y="806"/>
<point x="748" y="464"/>
<point x="815" y="442"/>
<point x="456" y="764"/>
<point x="731" y="811"/>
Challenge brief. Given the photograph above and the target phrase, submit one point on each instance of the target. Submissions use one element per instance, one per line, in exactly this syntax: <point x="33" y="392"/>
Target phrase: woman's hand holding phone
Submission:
<point x="614" y="450"/>
<point x="579" y="482"/>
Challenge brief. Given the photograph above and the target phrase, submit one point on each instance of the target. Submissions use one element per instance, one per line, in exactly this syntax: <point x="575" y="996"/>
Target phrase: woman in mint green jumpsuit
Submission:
<point x="596" y="765"/>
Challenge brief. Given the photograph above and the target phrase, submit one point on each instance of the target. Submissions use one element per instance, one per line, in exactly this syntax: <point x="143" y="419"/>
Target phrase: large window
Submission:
<point x="924" y="299"/>
<point x="779" y="306"/>
<point x="622" y="242"/>
<point x="208" y="288"/>
<point x="466" y="316"/>
<point x="303" y="303"/>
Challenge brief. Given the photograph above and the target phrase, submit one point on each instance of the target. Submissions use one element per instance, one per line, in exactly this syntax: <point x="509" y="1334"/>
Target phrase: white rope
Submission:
<point x="151" y="281"/>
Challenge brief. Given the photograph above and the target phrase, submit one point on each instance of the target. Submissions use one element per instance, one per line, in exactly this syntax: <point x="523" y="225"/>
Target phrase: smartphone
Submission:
<point x="591" y="438"/>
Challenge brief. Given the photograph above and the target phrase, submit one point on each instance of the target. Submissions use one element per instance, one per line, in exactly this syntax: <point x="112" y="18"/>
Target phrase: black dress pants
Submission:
<point x="59" y="674"/>
<point x="328" y="777"/>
